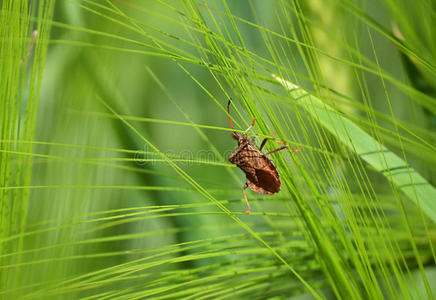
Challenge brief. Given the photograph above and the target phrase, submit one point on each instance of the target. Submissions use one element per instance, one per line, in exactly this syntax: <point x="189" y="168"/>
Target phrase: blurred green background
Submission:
<point x="115" y="139"/>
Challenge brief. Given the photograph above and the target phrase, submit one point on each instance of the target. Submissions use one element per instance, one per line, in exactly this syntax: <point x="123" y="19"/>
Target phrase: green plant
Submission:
<point x="114" y="145"/>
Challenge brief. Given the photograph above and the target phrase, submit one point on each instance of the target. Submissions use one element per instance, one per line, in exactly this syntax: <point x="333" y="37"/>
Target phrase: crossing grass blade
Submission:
<point x="390" y="165"/>
<point x="115" y="182"/>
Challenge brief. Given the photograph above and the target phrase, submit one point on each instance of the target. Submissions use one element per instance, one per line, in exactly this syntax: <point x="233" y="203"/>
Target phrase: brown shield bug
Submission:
<point x="261" y="174"/>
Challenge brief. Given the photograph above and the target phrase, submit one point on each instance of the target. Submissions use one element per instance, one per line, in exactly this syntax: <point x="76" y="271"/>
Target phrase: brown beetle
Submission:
<point x="261" y="174"/>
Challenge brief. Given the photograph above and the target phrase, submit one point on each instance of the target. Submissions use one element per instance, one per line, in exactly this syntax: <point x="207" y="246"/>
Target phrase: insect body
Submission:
<point x="261" y="175"/>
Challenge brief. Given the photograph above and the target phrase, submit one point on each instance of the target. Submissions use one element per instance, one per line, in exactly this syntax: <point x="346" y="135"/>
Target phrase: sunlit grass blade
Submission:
<point x="390" y="165"/>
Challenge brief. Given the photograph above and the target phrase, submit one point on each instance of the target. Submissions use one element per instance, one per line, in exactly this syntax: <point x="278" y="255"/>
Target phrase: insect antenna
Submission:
<point x="251" y="126"/>
<point x="230" y="118"/>
<point x="228" y="111"/>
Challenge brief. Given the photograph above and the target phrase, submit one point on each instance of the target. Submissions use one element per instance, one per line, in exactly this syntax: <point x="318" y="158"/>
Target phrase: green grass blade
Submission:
<point x="390" y="165"/>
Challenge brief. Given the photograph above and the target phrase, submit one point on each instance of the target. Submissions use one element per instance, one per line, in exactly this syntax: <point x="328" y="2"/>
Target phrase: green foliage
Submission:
<point x="114" y="141"/>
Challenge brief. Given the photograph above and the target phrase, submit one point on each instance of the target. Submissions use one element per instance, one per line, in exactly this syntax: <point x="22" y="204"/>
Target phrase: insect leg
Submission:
<point x="246" y="200"/>
<point x="283" y="147"/>
<point x="279" y="142"/>
<point x="263" y="144"/>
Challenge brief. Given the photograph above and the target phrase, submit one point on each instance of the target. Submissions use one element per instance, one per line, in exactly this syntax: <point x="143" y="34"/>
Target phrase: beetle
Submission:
<point x="261" y="175"/>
